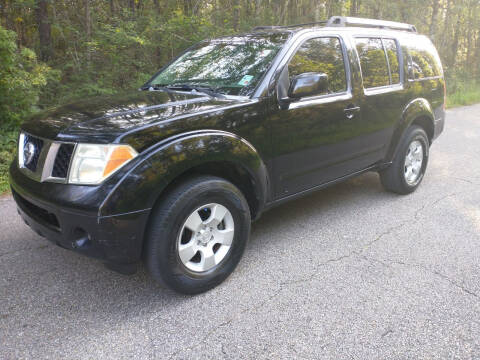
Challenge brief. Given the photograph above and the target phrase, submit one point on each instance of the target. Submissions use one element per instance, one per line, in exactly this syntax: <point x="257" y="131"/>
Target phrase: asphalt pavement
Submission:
<point x="350" y="272"/>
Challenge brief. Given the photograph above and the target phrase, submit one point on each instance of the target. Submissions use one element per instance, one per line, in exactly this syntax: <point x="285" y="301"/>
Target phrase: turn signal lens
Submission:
<point x="92" y="164"/>
<point x="118" y="157"/>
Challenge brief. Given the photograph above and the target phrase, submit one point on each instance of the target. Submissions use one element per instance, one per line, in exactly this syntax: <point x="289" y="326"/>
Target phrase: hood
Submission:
<point x="103" y="119"/>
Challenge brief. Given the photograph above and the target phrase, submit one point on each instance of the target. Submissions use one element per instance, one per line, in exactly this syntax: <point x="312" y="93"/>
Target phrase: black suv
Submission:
<point x="174" y="173"/>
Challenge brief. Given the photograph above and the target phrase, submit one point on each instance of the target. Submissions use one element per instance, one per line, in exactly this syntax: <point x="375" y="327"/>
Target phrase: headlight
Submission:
<point x="94" y="163"/>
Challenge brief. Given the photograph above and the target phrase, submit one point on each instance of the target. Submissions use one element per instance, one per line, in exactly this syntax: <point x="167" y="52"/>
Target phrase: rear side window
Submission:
<point x="392" y="56"/>
<point x="379" y="61"/>
<point x="321" y="55"/>
<point x="373" y="62"/>
<point x="423" y="60"/>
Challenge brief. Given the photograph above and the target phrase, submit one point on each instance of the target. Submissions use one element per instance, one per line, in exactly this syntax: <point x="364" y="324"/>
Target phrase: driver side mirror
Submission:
<point x="308" y="84"/>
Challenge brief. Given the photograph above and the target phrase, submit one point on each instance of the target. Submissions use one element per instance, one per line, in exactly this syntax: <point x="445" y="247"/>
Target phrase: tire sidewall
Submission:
<point x="416" y="134"/>
<point x="165" y="256"/>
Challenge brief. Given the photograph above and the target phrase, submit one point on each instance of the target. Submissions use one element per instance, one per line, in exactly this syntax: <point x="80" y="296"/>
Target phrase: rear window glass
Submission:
<point x="392" y="55"/>
<point x="423" y="60"/>
<point x="373" y="62"/>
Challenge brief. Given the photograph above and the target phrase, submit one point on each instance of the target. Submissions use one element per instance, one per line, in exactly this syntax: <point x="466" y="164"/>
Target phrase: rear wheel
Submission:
<point x="406" y="172"/>
<point x="197" y="234"/>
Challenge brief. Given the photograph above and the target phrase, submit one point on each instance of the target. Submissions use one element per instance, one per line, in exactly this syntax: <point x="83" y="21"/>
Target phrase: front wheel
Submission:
<point x="408" y="168"/>
<point x="197" y="234"/>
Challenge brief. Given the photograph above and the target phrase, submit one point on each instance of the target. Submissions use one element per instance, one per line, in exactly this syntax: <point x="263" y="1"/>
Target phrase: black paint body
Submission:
<point x="271" y="150"/>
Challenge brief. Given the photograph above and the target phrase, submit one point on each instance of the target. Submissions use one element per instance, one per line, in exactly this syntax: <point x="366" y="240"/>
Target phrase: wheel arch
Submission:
<point x="417" y="112"/>
<point x="231" y="171"/>
<point x="211" y="152"/>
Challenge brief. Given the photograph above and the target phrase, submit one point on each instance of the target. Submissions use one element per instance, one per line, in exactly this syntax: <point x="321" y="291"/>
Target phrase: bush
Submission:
<point x="21" y="79"/>
<point x="462" y="89"/>
<point x="8" y="141"/>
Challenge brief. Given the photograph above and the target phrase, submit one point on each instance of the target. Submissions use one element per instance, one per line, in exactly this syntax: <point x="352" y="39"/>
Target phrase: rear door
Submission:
<point x="384" y="95"/>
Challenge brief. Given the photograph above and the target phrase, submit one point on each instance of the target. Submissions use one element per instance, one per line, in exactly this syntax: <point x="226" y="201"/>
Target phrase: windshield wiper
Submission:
<point x="201" y="89"/>
<point x="157" y="87"/>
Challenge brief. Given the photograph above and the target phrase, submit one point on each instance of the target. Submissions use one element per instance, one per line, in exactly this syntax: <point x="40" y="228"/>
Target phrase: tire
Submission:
<point x="170" y="233"/>
<point x="396" y="178"/>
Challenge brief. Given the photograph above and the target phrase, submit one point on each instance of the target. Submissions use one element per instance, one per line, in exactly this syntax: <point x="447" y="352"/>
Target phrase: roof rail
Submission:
<point x="369" y="23"/>
<point x="344" y="21"/>
<point x="257" y="28"/>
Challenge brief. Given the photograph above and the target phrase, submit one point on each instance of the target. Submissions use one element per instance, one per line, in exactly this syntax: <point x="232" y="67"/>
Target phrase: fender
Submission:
<point x="164" y="162"/>
<point x="415" y="109"/>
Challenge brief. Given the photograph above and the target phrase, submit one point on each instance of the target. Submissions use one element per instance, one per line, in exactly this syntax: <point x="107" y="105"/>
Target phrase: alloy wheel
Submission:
<point x="413" y="162"/>
<point x="206" y="237"/>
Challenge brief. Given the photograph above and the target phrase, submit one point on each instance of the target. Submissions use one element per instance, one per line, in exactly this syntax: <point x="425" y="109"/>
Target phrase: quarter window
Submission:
<point x="373" y="62"/>
<point x="423" y="61"/>
<point x="321" y="55"/>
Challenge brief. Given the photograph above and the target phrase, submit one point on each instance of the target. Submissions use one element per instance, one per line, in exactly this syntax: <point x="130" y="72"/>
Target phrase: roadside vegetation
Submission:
<point x="466" y="93"/>
<point x="55" y="52"/>
<point x="8" y="141"/>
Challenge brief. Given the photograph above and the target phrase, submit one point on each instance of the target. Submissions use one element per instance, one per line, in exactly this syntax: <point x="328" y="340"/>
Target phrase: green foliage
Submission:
<point x="123" y="54"/>
<point x="465" y="92"/>
<point x="21" y="79"/>
<point x="8" y="140"/>
<point x="116" y="45"/>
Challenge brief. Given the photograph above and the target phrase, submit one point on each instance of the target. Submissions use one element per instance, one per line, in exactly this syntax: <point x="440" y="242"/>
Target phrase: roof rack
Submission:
<point x="347" y="21"/>
<point x="274" y="27"/>
<point x="369" y="23"/>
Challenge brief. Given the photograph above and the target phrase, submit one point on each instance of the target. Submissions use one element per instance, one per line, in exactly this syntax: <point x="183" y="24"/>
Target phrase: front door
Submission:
<point x="320" y="138"/>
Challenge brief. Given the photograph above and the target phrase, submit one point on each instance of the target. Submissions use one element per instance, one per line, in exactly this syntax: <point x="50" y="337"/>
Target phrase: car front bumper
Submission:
<point x="67" y="215"/>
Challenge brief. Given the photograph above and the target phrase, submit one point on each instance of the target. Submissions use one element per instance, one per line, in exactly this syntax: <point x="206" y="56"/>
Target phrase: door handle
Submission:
<point x="350" y="111"/>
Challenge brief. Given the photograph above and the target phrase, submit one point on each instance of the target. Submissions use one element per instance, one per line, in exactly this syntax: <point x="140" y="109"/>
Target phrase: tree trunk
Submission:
<point x="330" y="4"/>
<point x="112" y="7"/>
<point x="404" y="11"/>
<point x="131" y="4"/>
<point x="456" y="40"/>
<point x="354" y="8"/>
<point x="44" y="30"/>
<point x="319" y="9"/>
<point x="187" y="7"/>
<point x="477" y="56"/>
<point x="446" y="25"/>
<point x="377" y="14"/>
<point x="292" y="12"/>
<point x="88" y="27"/>
<point x="433" y="22"/>
<point x="3" y="18"/>
<point x="236" y="14"/>
<point x="471" y="32"/>
<point x="157" y="6"/>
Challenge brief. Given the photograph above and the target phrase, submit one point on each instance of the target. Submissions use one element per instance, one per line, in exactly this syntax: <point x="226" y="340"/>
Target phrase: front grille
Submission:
<point x="37" y="146"/>
<point x="62" y="161"/>
<point x="43" y="216"/>
<point x="43" y="159"/>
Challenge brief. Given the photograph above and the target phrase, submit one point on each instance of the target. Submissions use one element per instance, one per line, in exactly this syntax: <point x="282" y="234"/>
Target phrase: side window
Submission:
<point x="373" y="62"/>
<point x="392" y="55"/>
<point x="423" y="61"/>
<point x="321" y="55"/>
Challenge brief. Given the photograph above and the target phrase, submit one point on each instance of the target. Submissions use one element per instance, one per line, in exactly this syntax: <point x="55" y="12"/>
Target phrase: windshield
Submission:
<point x="231" y="66"/>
